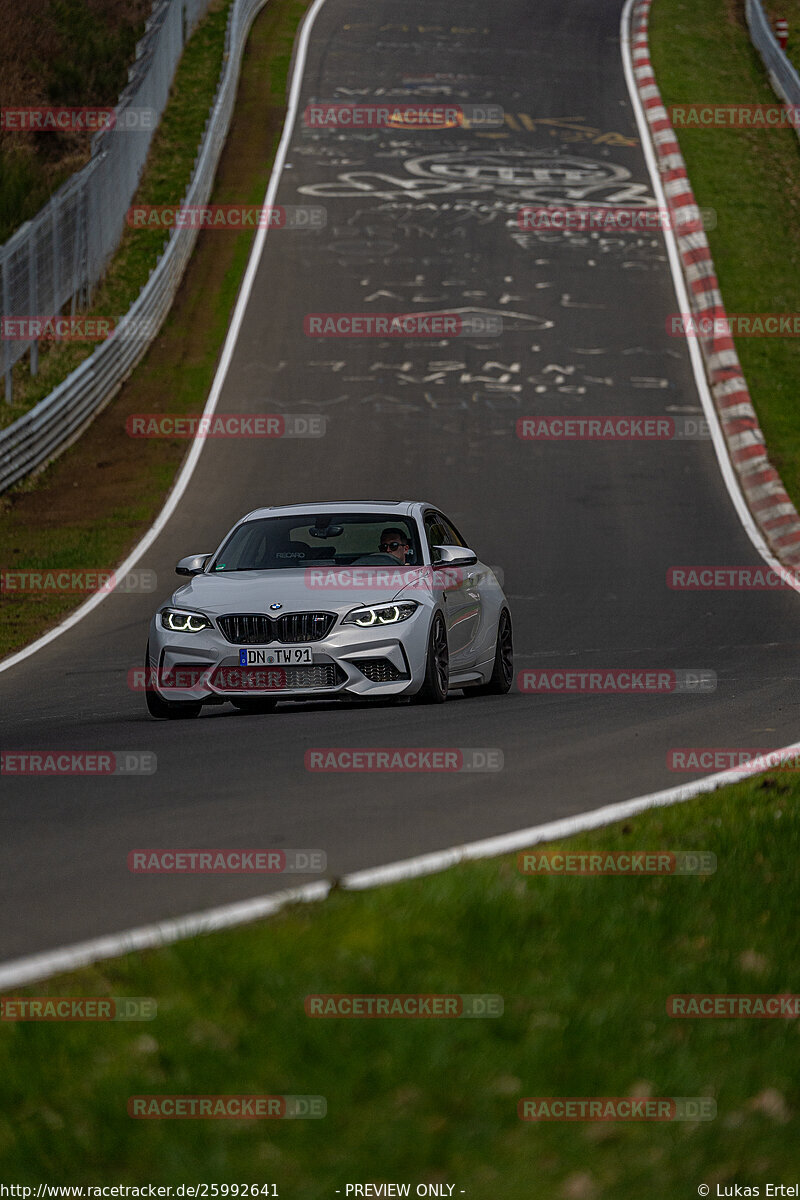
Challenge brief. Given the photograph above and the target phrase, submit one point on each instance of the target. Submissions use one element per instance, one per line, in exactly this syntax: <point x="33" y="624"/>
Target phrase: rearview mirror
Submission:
<point x="192" y="565"/>
<point x="453" y="556"/>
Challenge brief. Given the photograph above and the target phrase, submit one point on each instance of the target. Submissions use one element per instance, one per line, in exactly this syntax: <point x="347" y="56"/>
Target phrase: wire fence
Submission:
<point x="58" y="257"/>
<point x="58" y="419"/>
<point x="783" y="77"/>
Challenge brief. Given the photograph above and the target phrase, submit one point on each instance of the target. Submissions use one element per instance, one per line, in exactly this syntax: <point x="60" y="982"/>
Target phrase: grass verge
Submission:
<point x="54" y="520"/>
<point x="584" y="964"/>
<point x="702" y="53"/>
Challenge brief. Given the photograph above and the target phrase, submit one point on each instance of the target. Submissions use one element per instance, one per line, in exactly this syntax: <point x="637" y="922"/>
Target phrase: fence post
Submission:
<point x="55" y="251"/>
<point x="33" y="294"/>
<point x="7" y="363"/>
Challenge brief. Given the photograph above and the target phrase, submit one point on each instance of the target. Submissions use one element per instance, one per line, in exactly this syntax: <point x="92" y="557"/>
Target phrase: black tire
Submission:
<point x="166" y="710"/>
<point x="262" y="705"/>
<point x="503" y="670"/>
<point x="437" y="665"/>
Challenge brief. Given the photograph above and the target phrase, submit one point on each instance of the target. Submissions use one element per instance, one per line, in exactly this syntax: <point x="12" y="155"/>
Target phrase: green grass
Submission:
<point x="25" y="189"/>
<point x="166" y="176"/>
<point x="702" y="53"/>
<point x="584" y="964"/>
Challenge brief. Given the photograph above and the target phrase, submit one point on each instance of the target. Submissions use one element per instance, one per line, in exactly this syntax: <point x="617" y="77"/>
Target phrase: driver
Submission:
<point x="395" y="543"/>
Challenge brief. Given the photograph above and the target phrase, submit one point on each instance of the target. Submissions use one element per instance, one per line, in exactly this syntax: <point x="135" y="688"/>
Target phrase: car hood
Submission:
<point x="312" y="589"/>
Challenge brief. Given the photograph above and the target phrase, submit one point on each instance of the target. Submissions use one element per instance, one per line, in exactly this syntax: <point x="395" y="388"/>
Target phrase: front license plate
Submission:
<point x="283" y="656"/>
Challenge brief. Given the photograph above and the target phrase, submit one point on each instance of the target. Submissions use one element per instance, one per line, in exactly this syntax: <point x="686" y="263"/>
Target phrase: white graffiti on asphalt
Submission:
<point x="522" y="175"/>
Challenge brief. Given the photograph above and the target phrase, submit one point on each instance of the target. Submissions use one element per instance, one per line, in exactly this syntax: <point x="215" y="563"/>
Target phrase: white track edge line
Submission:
<point x="243" y="299"/>
<point x="676" y="269"/>
<point x="36" y="967"/>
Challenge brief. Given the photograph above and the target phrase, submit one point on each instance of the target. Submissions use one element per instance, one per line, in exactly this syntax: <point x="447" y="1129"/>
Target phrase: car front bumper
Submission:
<point x="348" y="662"/>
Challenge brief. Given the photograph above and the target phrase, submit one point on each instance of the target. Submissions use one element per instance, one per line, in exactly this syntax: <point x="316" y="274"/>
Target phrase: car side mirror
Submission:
<point x="193" y="565"/>
<point x="453" y="556"/>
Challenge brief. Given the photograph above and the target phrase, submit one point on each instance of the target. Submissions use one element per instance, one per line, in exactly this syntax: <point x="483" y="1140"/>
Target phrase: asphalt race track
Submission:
<point x="585" y="531"/>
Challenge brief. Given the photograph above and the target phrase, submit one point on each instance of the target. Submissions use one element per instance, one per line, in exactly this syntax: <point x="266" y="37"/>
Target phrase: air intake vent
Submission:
<point x="278" y="680"/>
<point x="379" y="670"/>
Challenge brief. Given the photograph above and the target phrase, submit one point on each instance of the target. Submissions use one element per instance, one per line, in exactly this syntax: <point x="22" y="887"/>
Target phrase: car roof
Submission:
<point x="390" y="507"/>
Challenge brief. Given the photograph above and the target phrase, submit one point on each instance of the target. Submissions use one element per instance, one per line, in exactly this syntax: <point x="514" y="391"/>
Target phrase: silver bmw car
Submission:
<point x="310" y="601"/>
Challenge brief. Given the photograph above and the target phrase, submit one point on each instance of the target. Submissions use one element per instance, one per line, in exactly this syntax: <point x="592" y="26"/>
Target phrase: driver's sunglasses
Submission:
<point x="390" y="545"/>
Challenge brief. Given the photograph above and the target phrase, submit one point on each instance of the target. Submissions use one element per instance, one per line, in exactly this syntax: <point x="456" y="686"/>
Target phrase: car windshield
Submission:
<point x="324" y="539"/>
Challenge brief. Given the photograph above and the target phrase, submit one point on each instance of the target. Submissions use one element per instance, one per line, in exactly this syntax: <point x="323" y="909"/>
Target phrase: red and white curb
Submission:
<point x="772" y="510"/>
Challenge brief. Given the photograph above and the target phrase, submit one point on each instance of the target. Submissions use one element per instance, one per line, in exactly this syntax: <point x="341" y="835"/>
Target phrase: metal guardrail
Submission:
<point x="61" y="417"/>
<point x="783" y="77"/>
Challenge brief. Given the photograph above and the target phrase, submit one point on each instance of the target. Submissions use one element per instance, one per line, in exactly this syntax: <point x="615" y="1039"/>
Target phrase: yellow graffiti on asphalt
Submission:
<point x="566" y="129"/>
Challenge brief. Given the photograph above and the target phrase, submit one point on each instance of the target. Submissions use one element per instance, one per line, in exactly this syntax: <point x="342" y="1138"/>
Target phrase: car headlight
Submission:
<point x="381" y="614"/>
<point x="179" y="620"/>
